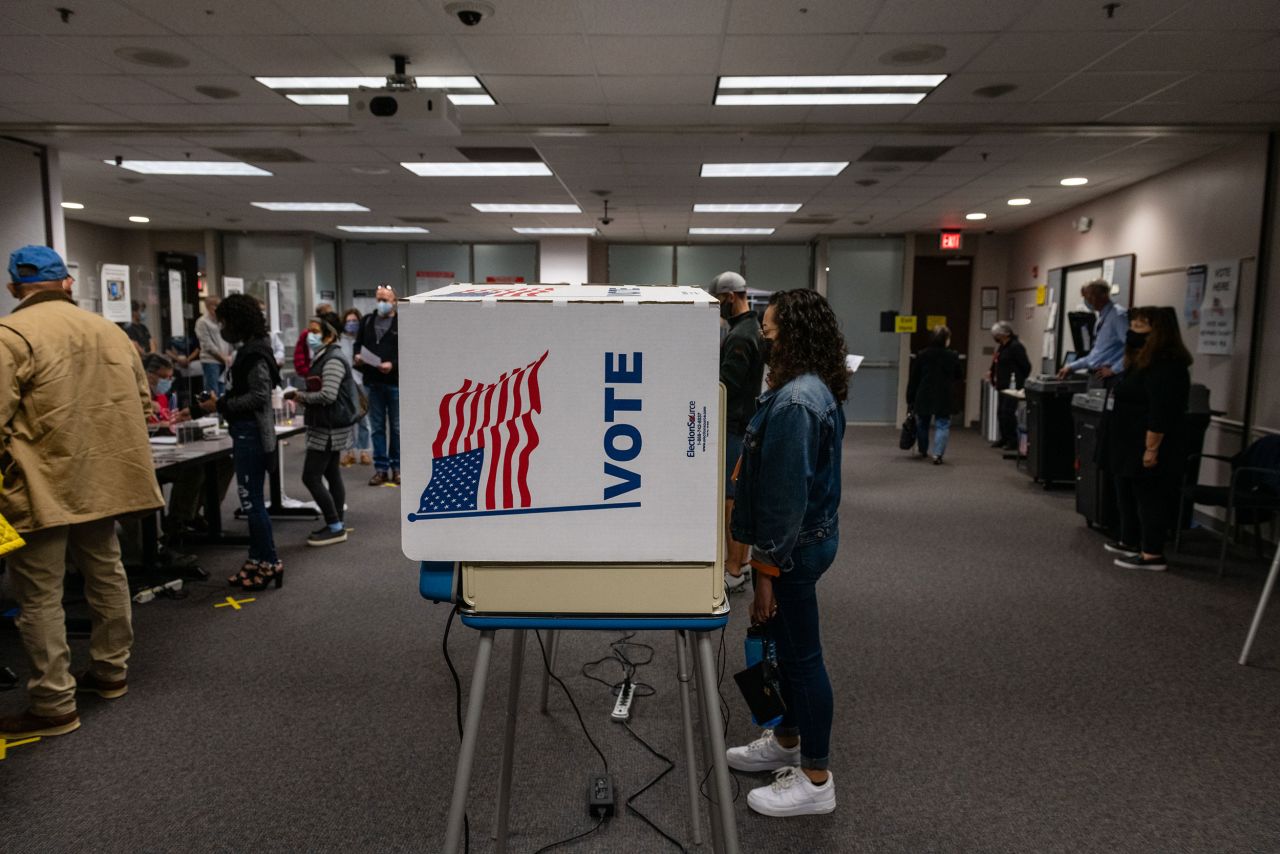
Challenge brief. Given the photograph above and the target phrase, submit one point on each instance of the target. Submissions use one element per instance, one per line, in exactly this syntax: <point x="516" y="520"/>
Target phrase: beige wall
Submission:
<point x="1205" y="211"/>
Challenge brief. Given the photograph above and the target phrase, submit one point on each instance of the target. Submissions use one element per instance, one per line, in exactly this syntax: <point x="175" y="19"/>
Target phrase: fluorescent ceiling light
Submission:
<point x="322" y="82"/>
<point x="554" y="230"/>
<point x="319" y="100"/>
<point x="790" y="99"/>
<point x="1019" y="202"/>
<point x="384" y="229"/>
<point x="504" y="208"/>
<point x="139" y="219"/>
<point x="771" y="170"/>
<point x="1073" y="182"/>
<point x="190" y="167"/>
<point x="309" y="206"/>
<point x="475" y="170"/>
<point x="834" y="81"/>
<point x="73" y="206"/>
<point x="471" y="100"/>
<point x="704" y="208"/>
<point x="975" y="216"/>
<point x="731" y="231"/>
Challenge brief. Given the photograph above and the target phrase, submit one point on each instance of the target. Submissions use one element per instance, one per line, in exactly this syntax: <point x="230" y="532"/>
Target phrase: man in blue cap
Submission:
<point x="74" y="455"/>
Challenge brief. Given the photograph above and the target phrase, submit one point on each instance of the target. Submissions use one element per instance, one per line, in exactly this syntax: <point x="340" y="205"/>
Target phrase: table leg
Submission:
<point x="467" y="752"/>
<point x="686" y="717"/>
<point x="1262" y="606"/>
<point x="715" y="735"/>
<point x="707" y="760"/>
<point x="509" y="742"/>
<point x="553" y="643"/>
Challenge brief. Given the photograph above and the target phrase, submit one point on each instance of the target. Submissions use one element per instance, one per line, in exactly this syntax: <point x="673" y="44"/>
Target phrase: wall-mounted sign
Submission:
<point x="949" y="241"/>
<point x="232" y="285"/>
<point x="935" y="320"/>
<point x="904" y="324"/>
<point x="115" y="293"/>
<point x="1042" y="293"/>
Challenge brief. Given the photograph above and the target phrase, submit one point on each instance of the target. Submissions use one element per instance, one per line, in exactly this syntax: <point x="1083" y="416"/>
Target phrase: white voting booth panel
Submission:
<point x="565" y="436"/>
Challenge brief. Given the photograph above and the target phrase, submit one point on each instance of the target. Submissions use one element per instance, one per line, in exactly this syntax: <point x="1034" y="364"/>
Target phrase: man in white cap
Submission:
<point x="741" y="371"/>
<point x="74" y="455"/>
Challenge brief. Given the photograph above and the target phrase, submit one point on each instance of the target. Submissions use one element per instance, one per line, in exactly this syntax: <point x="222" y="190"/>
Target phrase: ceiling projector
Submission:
<point x="418" y="111"/>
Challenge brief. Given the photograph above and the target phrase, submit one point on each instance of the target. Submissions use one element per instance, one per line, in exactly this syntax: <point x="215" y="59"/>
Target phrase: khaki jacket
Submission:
<point x="73" y="418"/>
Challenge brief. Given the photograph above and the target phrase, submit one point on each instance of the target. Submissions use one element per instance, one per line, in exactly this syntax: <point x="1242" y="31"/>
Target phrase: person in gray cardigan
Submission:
<point x="330" y="429"/>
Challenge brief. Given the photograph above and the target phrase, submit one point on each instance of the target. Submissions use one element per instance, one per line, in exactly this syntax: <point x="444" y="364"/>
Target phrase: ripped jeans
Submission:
<point x="251" y="474"/>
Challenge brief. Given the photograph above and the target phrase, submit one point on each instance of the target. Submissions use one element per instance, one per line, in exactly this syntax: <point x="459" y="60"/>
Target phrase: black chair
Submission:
<point x="1252" y="494"/>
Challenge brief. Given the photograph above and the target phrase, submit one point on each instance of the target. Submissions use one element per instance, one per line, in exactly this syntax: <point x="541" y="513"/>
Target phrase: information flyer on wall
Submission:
<point x="232" y="285"/>
<point x="175" y="304"/>
<point x="1218" y="310"/>
<point x="115" y="293"/>
<point x="1196" y="276"/>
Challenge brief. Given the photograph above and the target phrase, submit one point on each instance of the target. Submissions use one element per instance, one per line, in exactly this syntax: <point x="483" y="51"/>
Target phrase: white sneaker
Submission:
<point x="763" y="754"/>
<point x="792" y="793"/>
<point x="734" y="583"/>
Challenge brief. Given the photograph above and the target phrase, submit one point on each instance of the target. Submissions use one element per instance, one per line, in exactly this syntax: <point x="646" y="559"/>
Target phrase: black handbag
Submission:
<point x="908" y="436"/>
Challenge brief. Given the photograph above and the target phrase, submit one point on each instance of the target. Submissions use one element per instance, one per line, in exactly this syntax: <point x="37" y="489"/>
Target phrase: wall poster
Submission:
<point x="1218" y="311"/>
<point x="115" y="293"/>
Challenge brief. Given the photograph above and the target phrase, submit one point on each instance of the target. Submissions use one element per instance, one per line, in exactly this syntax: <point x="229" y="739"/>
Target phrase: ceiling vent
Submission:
<point x="996" y="91"/>
<point x="218" y="93"/>
<point x="914" y="54"/>
<point x="497" y="154"/>
<point x="264" y="155"/>
<point x="811" y="220"/>
<point x="904" y="153"/>
<point x="152" y="57"/>
<point x="423" y="220"/>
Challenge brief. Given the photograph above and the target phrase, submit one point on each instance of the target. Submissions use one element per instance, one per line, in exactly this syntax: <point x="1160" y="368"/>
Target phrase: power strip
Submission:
<point x="149" y="594"/>
<point x="622" y="707"/>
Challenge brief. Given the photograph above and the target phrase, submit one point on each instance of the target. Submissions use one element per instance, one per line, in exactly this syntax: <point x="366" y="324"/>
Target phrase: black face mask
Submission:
<point x="1135" y="340"/>
<point x="726" y="310"/>
<point x="766" y="349"/>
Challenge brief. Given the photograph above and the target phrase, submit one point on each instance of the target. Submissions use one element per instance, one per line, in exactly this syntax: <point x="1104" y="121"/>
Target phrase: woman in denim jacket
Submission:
<point x="788" y="498"/>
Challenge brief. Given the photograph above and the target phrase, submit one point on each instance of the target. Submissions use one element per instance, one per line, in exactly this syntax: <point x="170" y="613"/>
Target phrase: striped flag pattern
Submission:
<point x="480" y="456"/>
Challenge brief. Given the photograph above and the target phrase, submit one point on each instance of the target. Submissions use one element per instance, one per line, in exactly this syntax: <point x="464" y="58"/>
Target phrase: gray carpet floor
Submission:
<point x="1000" y="686"/>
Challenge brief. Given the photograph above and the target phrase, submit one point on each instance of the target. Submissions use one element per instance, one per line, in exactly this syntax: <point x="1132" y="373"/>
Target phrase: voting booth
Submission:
<point x="562" y="444"/>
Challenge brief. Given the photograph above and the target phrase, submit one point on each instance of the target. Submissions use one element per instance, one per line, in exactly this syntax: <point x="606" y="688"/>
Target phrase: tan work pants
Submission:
<point x="37" y="573"/>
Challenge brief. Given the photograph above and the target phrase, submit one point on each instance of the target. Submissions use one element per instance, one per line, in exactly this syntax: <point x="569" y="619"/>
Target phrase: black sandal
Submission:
<point x="246" y="572"/>
<point x="264" y="575"/>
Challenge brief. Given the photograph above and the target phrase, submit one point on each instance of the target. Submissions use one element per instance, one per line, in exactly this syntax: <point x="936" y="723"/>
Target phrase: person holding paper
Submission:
<point x="1144" y="435"/>
<point x="215" y="353"/>
<point x="378" y="359"/>
<point x="1107" y="357"/>
<point x="787" y="510"/>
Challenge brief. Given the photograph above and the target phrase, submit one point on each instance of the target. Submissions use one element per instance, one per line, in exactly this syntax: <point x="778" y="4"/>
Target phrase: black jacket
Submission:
<point x="1155" y="399"/>
<point x="388" y="349"/>
<point x="933" y="371"/>
<point x="1010" y="361"/>
<point x="741" y="370"/>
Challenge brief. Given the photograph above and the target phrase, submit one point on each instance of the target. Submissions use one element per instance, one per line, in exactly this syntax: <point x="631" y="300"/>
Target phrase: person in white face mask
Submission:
<point x="379" y="334"/>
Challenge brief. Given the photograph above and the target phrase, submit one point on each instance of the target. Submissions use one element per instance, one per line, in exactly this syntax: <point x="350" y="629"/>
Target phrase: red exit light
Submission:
<point x="949" y="240"/>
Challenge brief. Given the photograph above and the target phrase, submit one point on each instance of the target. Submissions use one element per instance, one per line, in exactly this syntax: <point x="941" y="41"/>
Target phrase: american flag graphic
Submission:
<point x="480" y="456"/>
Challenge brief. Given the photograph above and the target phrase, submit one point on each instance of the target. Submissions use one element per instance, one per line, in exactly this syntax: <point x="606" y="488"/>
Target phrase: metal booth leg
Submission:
<point x="715" y="735"/>
<point x="509" y="742"/>
<point x="553" y="643"/>
<point x="467" y="753"/>
<point x="707" y="760"/>
<point x="1262" y="606"/>
<point x="686" y="716"/>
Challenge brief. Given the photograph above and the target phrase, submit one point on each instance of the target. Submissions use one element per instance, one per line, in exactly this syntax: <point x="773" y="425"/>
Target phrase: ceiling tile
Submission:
<point x="558" y="114"/>
<point x="1166" y="51"/>
<point x="1222" y="86"/>
<point x="108" y="90"/>
<point x="951" y="16"/>
<point x="786" y="54"/>
<point x="1057" y="16"/>
<point x="623" y="55"/>
<point x="959" y="88"/>
<point x="686" y="89"/>
<point x="866" y="56"/>
<point x="1254" y="15"/>
<point x="1044" y="52"/>
<point x="564" y="54"/>
<point x="534" y="89"/>
<point x="212" y="17"/>
<point x="275" y="55"/>
<point x="654" y="17"/>
<point x="103" y="50"/>
<point x="1264" y="56"/>
<point x="371" y="54"/>
<point x="38" y="55"/>
<point x="101" y="18"/>
<point x="940" y="113"/>
<point x="768" y="17"/>
<point x="1128" y="86"/>
<point x="184" y="87"/>
<point x="338" y="17"/>
<point x="15" y="89"/>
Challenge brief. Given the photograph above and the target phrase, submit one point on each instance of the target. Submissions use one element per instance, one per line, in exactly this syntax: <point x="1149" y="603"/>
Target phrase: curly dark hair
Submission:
<point x="809" y="341"/>
<point x="241" y="318"/>
<point x="330" y="325"/>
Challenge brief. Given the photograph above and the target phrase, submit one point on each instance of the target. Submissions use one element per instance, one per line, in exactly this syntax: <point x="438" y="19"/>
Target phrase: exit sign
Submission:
<point x="949" y="240"/>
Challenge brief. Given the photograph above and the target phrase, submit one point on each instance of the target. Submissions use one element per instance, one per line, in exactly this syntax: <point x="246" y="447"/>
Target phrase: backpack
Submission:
<point x="350" y="406"/>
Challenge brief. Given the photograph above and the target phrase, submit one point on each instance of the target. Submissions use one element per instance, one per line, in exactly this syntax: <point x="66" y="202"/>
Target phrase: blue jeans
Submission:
<point x="941" y="432"/>
<point x="806" y="689"/>
<point x="384" y="411"/>
<point x="362" y="434"/>
<point x="213" y="377"/>
<point x="251" y="474"/>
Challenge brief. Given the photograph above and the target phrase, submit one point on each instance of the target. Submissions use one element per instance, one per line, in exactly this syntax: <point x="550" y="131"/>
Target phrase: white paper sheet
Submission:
<point x="852" y="362"/>
<point x="369" y="357"/>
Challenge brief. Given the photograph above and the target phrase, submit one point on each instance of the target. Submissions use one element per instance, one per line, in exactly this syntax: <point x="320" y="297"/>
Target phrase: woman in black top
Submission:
<point x="1144" y="443"/>
<point x="933" y="371"/>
